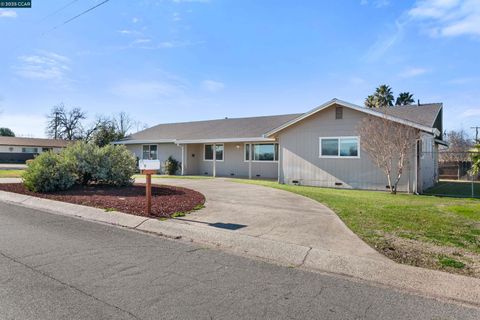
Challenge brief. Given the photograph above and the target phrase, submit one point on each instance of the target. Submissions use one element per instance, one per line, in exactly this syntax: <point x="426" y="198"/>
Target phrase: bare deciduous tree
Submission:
<point x="458" y="146"/>
<point x="65" y="124"/>
<point x="389" y="144"/>
<point x="123" y="123"/>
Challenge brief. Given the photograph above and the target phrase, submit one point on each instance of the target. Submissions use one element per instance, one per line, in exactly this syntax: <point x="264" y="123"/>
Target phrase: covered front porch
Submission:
<point x="230" y="158"/>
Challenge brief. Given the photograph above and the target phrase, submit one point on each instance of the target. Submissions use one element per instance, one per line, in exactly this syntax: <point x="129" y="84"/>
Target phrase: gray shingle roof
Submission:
<point x="424" y="114"/>
<point x="255" y="127"/>
<point x="32" y="142"/>
<point x="214" y="129"/>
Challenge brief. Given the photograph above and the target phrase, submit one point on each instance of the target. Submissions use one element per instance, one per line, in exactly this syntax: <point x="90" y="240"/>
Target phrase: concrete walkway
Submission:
<point x="283" y="228"/>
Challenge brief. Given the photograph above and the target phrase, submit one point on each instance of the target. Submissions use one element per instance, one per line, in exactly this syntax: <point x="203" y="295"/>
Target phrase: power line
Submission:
<point x="77" y="16"/>
<point x="57" y="11"/>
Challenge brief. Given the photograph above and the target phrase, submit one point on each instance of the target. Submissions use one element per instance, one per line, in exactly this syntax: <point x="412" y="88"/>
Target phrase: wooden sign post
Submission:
<point x="149" y="167"/>
<point x="148" y="189"/>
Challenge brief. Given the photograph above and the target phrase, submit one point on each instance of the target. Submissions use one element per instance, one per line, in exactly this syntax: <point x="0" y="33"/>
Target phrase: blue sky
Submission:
<point x="182" y="60"/>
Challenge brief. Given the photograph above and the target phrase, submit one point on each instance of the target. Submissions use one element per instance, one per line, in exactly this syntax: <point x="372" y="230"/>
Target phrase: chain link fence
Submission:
<point x="456" y="177"/>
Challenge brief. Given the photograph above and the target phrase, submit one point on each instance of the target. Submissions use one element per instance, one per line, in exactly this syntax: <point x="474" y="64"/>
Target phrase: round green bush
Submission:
<point x="81" y="163"/>
<point x="48" y="172"/>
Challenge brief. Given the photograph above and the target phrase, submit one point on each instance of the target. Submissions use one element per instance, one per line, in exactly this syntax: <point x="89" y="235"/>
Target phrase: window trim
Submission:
<point x="339" y="156"/>
<point x="260" y="161"/>
<point x="149" y="152"/>
<point x="211" y="144"/>
<point x="33" y="149"/>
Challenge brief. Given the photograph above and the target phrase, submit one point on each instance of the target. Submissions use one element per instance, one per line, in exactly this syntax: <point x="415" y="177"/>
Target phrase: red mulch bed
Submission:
<point x="166" y="200"/>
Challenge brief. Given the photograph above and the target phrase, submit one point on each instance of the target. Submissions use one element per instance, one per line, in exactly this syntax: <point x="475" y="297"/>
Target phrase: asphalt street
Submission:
<point x="56" y="267"/>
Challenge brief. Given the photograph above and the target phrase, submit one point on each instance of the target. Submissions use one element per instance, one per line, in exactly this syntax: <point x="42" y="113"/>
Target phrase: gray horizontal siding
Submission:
<point x="299" y="147"/>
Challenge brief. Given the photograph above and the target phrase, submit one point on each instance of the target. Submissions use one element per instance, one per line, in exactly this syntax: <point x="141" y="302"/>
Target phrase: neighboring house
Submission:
<point x="320" y="147"/>
<point x="19" y="150"/>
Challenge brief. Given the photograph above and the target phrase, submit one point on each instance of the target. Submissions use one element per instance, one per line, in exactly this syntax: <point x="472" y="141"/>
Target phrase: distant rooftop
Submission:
<point x="32" y="142"/>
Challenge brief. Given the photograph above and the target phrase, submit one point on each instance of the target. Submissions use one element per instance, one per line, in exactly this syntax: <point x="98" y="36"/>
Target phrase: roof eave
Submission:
<point x="354" y="107"/>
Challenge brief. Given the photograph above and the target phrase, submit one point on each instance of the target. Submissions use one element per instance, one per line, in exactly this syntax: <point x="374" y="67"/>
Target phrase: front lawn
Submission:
<point x="425" y="231"/>
<point x="11" y="173"/>
<point x="452" y="188"/>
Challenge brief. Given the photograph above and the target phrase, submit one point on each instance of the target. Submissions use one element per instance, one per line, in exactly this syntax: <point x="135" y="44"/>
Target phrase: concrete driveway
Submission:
<point x="271" y="214"/>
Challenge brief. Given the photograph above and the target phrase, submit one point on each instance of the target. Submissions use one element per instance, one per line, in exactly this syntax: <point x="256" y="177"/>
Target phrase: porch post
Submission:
<point x="214" y="160"/>
<point x="250" y="155"/>
<point x="183" y="159"/>
<point x="279" y="163"/>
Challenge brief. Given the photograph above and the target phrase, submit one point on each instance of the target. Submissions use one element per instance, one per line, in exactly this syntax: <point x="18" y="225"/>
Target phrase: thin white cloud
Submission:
<point x="413" y="72"/>
<point x="376" y="3"/>
<point x="145" y="90"/>
<point x="42" y="66"/>
<point x="176" y="16"/>
<point x="212" y="86"/>
<point x="448" y="18"/>
<point x="473" y="112"/>
<point x="387" y="41"/>
<point x="8" y="14"/>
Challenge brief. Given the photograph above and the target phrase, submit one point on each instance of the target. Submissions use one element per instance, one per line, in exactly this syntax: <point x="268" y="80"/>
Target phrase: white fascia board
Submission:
<point x="224" y="140"/>
<point x="354" y="107"/>
<point x="144" y="141"/>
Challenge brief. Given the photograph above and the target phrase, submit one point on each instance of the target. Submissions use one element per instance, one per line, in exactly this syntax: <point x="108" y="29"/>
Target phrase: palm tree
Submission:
<point x="404" y="99"/>
<point x="384" y="96"/>
<point x="371" y="102"/>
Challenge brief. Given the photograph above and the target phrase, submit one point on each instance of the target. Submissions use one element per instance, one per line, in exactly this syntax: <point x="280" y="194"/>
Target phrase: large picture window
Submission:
<point x="339" y="147"/>
<point x="150" y="152"/>
<point x="208" y="152"/>
<point x="262" y="152"/>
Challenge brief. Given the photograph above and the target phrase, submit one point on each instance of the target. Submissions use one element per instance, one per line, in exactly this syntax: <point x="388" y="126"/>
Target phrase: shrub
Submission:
<point x="171" y="165"/>
<point x="112" y="165"/>
<point x="120" y="165"/>
<point x="86" y="160"/>
<point x="28" y="162"/>
<point x="49" y="172"/>
<point x="81" y="163"/>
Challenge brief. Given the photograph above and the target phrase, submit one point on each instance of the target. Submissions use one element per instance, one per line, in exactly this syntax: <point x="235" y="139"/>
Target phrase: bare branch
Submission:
<point x="389" y="144"/>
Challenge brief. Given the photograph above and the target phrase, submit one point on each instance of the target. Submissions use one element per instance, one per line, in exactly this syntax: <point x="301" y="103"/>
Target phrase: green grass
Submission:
<point x="453" y="222"/>
<point x="455" y="189"/>
<point x="11" y="173"/>
<point x="161" y="176"/>
<point x="452" y="263"/>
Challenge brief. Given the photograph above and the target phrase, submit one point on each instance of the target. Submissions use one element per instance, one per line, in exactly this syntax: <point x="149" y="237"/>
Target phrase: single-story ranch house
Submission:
<point x="320" y="147"/>
<point x="19" y="150"/>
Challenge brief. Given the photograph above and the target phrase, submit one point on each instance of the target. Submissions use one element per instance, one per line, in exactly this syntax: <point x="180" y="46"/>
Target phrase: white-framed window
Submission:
<point x="208" y="152"/>
<point x="150" y="152"/>
<point x="262" y="152"/>
<point x="30" y="150"/>
<point x="339" y="147"/>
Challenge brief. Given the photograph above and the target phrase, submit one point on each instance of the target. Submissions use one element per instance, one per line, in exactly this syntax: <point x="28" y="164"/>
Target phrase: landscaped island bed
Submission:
<point x="166" y="200"/>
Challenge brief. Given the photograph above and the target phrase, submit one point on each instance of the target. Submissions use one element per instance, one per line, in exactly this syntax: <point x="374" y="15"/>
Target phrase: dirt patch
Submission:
<point x="166" y="200"/>
<point x="429" y="255"/>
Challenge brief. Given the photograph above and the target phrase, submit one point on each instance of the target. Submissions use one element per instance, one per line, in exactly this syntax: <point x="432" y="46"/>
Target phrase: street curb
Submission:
<point x="430" y="283"/>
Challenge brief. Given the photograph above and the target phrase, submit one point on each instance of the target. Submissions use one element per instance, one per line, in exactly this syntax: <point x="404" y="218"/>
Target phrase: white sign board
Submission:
<point x="149" y="164"/>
